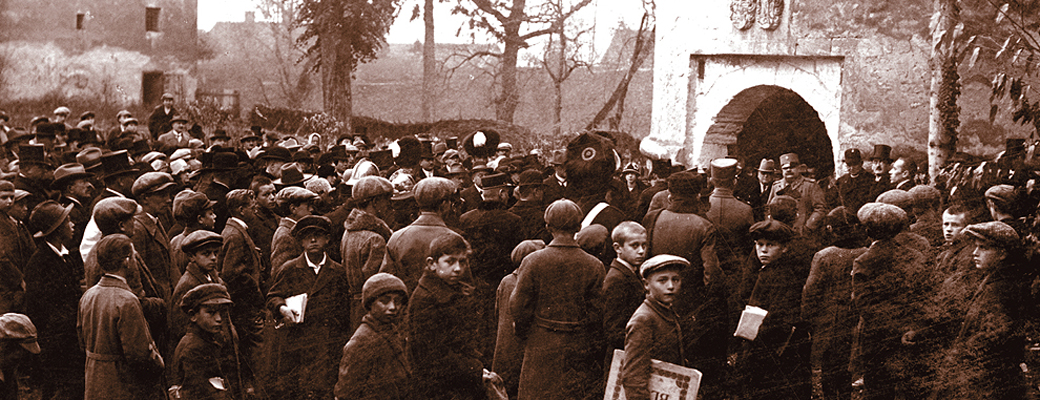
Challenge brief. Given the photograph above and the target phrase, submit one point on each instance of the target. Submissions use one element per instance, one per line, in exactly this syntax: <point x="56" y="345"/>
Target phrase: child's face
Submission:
<point x="208" y="219"/>
<point x="6" y="200"/>
<point x="633" y="251"/>
<point x="663" y="285"/>
<point x="953" y="224"/>
<point x="449" y="267"/>
<point x="210" y="318"/>
<point x="387" y="308"/>
<point x="206" y="258"/>
<point x="314" y="241"/>
<point x="768" y="250"/>
<point x="986" y="255"/>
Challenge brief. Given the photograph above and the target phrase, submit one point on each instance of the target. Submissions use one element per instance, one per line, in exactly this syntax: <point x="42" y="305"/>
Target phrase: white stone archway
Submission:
<point x="680" y="124"/>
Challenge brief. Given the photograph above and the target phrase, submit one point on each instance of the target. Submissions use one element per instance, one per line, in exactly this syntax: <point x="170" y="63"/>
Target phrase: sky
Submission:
<point x="606" y="14"/>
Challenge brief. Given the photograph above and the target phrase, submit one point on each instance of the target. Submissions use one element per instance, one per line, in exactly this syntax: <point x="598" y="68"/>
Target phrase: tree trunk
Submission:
<point x="638" y="55"/>
<point x="943" y="110"/>
<point x="336" y="67"/>
<point x="429" y="62"/>
<point x="508" y="98"/>
<point x="561" y="71"/>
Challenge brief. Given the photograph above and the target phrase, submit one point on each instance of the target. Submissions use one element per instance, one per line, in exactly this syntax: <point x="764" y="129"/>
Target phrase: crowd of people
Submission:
<point x="177" y="262"/>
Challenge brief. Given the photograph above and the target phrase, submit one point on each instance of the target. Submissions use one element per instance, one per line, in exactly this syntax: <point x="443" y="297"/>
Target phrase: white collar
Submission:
<point x="629" y="266"/>
<point x="239" y="221"/>
<point x="61" y="252"/>
<point x="318" y="266"/>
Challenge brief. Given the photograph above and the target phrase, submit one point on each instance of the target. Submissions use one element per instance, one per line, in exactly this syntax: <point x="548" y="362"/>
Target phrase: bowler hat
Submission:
<point x="563" y="214"/>
<point x="152" y="182"/>
<point x="426" y="152"/>
<point x="432" y="191"/>
<point x="723" y="169"/>
<point x="207" y="294"/>
<point x="19" y="329"/>
<point x="220" y="134"/>
<point x="881" y="152"/>
<point x="371" y="186"/>
<point x="199" y="239"/>
<point x="660" y="261"/>
<point x="498" y="180"/>
<point x="789" y="160"/>
<point x="853" y="157"/>
<point x="116" y="163"/>
<point x="380" y="284"/>
<point x="32" y="153"/>
<point x="221" y="161"/>
<point x="292" y="174"/>
<point x="68" y="173"/>
<point x="530" y="177"/>
<point x="310" y="223"/>
<point x="995" y="232"/>
<point x="47" y="217"/>
<point x="276" y="153"/>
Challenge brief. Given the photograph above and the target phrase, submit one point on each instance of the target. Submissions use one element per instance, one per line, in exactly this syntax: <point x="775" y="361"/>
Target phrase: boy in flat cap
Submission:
<point x="374" y="364"/>
<point x="240" y="266"/>
<point x="443" y="334"/>
<point x="653" y="332"/>
<point x="363" y="246"/>
<point x="205" y="364"/>
<point x="557" y="308"/>
<point x="52" y="299"/>
<point x="201" y="248"/>
<point x="294" y="203"/>
<point x="193" y="211"/>
<point x="16" y="247"/>
<point x="17" y="344"/>
<point x="312" y="338"/>
<point x="122" y="360"/>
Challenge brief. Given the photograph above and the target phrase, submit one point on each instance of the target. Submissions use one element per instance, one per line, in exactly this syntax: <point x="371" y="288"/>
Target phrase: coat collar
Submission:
<point x="109" y="280"/>
<point x="359" y="220"/>
<point x="440" y="290"/>
<point x="429" y="219"/>
<point x="623" y="268"/>
<point x="324" y="274"/>
<point x="563" y="242"/>
<point x="200" y="276"/>
<point x="666" y="313"/>
<point x="151" y="224"/>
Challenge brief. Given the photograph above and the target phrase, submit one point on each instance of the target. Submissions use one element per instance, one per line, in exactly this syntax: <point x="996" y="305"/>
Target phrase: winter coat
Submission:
<point x="492" y="232"/>
<point x="192" y="277"/>
<point x="623" y="293"/>
<point x="408" y="247"/>
<point x="363" y="248"/>
<point x="853" y="193"/>
<point x="441" y="337"/>
<point x="732" y="218"/>
<point x="653" y="332"/>
<point x="239" y="266"/>
<point x="557" y="308"/>
<point x="261" y="224"/>
<point x="284" y="246"/>
<point x="890" y="284"/>
<point x="305" y="363"/>
<point x="122" y="360"/>
<point x="167" y="142"/>
<point x="16" y="247"/>
<point x="812" y="206"/>
<point x="140" y="281"/>
<point x="509" y="349"/>
<point x="177" y="256"/>
<point x="151" y="243"/>
<point x="202" y="356"/>
<point x="160" y="121"/>
<point x="532" y="220"/>
<point x="374" y="365"/>
<point x="52" y="295"/>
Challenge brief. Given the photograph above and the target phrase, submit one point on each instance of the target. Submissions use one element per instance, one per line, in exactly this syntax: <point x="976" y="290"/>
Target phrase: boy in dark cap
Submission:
<point x="653" y="332"/>
<point x="205" y="364"/>
<point x="313" y="335"/>
<point x="201" y="248"/>
<point x="193" y="211"/>
<point x="374" y="364"/>
<point x="17" y="344"/>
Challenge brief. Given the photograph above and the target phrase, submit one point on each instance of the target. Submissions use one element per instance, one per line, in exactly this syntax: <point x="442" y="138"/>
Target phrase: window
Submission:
<point x="151" y="19"/>
<point x="79" y="21"/>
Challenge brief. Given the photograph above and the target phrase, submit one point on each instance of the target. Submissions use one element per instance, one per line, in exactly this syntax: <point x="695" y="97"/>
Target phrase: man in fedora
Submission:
<point x="118" y="176"/>
<point x="812" y="206"/>
<point x="222" y="166"/>
<point x="34" y="174"/>
<point x="177" y="138"/>
<point x="271" y="160"/>
<point x="77" y="191"/>
<point x="530" y="206"/>
<point x="52" y="300"/>
<point x="854" y="186"/>
<point x="757" y="195"/>
<point x="162" y="117"/>
<point x="881" y="164"/>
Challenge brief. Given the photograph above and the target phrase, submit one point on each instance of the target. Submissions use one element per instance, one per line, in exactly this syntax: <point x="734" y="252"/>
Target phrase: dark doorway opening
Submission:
<point x="768" y="121"/>
<point x="152" y="84"/>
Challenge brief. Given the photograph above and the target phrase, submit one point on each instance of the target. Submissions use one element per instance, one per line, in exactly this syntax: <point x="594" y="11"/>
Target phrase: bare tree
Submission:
<point x="562" y="57"/>
<point x="644" y="41"/>
<point x="294" y="80"/>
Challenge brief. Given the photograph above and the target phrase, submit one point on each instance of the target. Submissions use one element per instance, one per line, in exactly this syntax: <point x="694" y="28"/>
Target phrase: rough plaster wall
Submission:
<point x="34" y="70"/>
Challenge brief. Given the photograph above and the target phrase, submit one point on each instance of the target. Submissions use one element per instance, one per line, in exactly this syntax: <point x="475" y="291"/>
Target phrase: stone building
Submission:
<point x="120" y="52"/>
<point x="756" y="78"/>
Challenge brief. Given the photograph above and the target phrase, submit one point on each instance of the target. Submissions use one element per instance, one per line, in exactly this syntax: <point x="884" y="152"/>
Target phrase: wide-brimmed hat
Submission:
<point x="292" y="174"/>
<point x="90" y="158"/>
<point x="493" y="181"/>
<point x="220" y="161"/>
<point x="47" y="216"/>
<point x="68" y="173"/>
<point x="767" y="166"/>
<point x="276" y="153"/>
<point x="530" y="177"/>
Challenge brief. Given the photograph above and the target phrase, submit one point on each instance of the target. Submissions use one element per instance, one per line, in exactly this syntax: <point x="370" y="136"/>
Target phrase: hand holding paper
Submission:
<point x="750" y="321"/>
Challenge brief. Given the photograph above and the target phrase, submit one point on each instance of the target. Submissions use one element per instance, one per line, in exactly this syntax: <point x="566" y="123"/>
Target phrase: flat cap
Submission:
<point x="563" y="214"/>
<point x="189" y="204"/>
<point x="380" y="284"/>
<point x="310" y="223"/>
<point x="685" y="184"/>
<point x="592" y="238"/>
<point x="16" y="327"/>
<point x="199" y="239"/>
<point x="432" y="191"/>
<point x="660" y="261"/>
<point x="113" y="247"/>
<point x="771" y="229"/>
<point x="293" y="194"/>
<point x="924" y="194"/>
<point x="881" y="214"/>
<point x="1002" y="194"/>
<point x="897" y="197"/>
<point x="371" y="186"/>
<point x="6" y="186"/>
<point x="62" y="110"/>
<point x="524" y="248"/>
<point x="998" y="233"/>
<point x="152" y="182"/>
<point x="209" y="294"/>
<point x="114" y="209"/>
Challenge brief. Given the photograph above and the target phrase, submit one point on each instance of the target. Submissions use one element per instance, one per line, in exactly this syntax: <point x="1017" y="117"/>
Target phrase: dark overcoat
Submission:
<point x="623" y="293"/>
<point x="122" y="360"/>
<point x="408" y="247"/>
<point x="284" y="246"/>
<point x="441" y="340"/>
<point x="16" y="247"/>
<point x="363" y="248"/>
<point x="239" y="266"/>
<point x="199" y="358"/>
<point x="653" y="332"/>
<point x="854" y="192"/>
<point x="52" y="294"/>
<point x="192" y="277"/>
<point x="532" y="220"/>
<point x="306" y="354"/>
<point x="151" y="243"/>
<point x="374" y="365"/>
<point x="493" y="232"/>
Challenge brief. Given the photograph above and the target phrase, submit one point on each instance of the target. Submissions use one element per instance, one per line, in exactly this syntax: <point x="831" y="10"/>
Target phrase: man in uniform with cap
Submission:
<point x="557" y="307"/>
<point x="34" y="174"/>
<point x="18" y="341"/>
<point x="175" y="139"/>
<point x="363" y="246"/>
<point x="52" y="300"/>
<point x="407" y="248"/>
<point x="812" y="206"/>
<point x="730" y="216"/>
<point x="530" y="206"/>
<point x="161" y="118"/>
<point x="855" y="185"/>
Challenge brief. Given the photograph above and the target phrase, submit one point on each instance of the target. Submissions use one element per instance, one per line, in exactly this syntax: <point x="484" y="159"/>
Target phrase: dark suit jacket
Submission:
<point x="239" y="266"/>
<point x="51" y="302"/>
<point x="151" y="243"/>
<point x="159" y="122"/>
